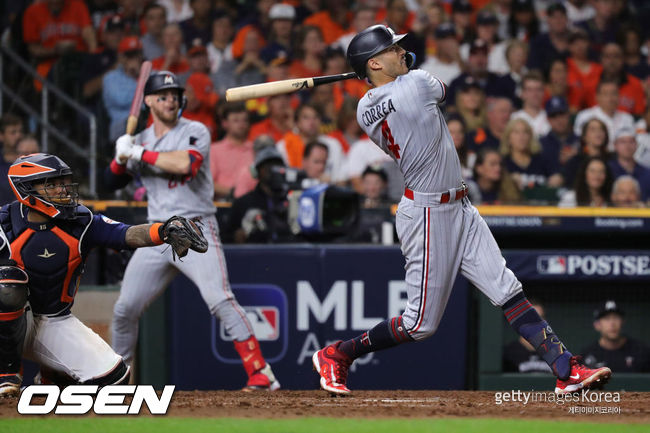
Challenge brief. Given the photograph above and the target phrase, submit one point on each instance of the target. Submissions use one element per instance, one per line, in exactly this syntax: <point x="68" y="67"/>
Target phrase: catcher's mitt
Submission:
<point x="183" y="234"/>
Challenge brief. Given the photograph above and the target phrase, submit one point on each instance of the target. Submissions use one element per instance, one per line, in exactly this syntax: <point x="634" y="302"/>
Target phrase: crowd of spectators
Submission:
<point x="546" y="102"/>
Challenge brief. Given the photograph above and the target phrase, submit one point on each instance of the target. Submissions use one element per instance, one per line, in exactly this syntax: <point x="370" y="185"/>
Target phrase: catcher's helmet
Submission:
<point x="38" y="168"/>
<point x="371" y="42"/>
<point x="162" y="80"/>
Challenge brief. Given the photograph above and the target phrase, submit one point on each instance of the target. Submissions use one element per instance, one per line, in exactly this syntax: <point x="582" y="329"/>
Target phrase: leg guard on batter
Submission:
<point x="13" y="323"/>
<point x="260" y="375"/>
<point x="388" y="333"/>
<point x="524" y="319"/>
<point x="251" y="355"/>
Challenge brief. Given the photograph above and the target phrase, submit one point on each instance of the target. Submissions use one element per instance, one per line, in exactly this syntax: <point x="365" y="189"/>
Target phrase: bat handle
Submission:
<point x="333" y="78"/>
<point x="131" y="124"/>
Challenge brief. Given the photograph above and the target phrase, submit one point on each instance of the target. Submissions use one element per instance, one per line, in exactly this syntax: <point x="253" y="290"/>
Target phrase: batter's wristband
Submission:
<point x="150" y="157"/>
<point x="154" y="233"/>
<point x="117" y="168"/>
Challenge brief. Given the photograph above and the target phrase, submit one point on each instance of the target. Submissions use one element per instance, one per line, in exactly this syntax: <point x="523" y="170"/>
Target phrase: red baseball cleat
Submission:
<point x="332" y="365"/>
<point x="262" y="380"/>
<point x="582" y="377"/>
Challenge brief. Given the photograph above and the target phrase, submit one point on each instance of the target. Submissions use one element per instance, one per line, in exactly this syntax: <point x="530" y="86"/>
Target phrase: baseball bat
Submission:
<point x="283" y="86"/>
<point x="134" y="112"/>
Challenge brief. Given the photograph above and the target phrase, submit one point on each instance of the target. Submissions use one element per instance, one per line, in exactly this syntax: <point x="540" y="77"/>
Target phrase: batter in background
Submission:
<point x="172" y="158"/>
<point x="440" y="231"/>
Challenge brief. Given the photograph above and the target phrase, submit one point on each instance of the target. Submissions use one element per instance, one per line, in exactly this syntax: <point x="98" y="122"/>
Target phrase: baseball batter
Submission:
<point x="440" y="231"/>
<point x="172" y="158"/>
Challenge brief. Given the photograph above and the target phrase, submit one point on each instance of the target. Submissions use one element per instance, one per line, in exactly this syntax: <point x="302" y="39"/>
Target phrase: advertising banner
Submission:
<point x="566" y="224"/>
<point x="604" y="265"/>
<point x="300" y="298"/>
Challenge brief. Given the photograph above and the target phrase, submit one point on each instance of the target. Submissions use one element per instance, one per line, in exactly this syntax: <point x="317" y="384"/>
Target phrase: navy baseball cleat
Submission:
<point x="582" y="377"/>
<point x="332" y="365"/>
<point x="10" y="384"/>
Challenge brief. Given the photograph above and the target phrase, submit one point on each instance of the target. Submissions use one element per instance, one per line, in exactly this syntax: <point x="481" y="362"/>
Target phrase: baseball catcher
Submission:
<point x="45" y="237"/>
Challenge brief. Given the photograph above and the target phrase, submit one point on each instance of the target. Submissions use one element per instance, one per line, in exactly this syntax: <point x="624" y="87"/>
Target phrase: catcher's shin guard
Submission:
<point x="13" y="323"/>
<point x="12" y="338"/>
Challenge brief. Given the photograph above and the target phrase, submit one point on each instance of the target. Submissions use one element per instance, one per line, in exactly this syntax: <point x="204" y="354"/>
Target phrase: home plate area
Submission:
<point x="632" y="407"/>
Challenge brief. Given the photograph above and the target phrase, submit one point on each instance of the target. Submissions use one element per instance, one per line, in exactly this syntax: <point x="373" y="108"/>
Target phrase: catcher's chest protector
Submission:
<point x="49" y="253"/>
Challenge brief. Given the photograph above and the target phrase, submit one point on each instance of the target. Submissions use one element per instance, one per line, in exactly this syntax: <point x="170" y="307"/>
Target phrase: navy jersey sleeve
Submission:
<point x="104" y="232"/>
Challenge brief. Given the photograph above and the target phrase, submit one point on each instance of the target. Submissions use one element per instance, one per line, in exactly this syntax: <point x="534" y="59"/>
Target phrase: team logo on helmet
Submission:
<point x="162" y="80"/>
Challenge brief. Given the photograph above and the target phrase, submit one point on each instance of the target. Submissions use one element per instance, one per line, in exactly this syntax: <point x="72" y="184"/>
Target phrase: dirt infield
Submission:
<point x="632" y="407"/>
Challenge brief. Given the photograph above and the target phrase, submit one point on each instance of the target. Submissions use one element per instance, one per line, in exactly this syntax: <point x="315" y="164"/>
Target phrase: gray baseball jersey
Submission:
<point x="438" y="238"/>
<point x="403" y="118"/>
<point x="170" y="194"/>
<point x="150" y="270"/>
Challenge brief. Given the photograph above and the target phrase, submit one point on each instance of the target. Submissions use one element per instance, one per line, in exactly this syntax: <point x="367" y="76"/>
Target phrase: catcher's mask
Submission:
<point x="43" y="182"/>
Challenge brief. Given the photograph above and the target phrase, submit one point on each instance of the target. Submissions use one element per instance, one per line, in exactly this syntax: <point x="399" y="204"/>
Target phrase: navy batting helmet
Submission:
<point x="162" y="80"/>
<point x="41" y="168"/>
<point x="371" y="42"/>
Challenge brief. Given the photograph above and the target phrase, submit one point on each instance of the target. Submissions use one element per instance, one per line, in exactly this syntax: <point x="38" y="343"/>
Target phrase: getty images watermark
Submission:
<point x="597" y="402"/>
<point x="81" y="399"/>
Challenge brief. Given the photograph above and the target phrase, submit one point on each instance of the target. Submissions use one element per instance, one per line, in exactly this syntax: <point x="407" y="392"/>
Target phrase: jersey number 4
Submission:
<point x="392" y="146"/>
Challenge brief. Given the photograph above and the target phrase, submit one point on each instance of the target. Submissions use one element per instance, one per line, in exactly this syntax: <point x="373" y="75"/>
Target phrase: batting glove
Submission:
<point x="123" y="147"/>
<point x="136" y="153"/>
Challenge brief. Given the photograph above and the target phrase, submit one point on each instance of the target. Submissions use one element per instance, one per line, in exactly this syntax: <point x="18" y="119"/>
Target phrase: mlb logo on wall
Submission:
<point x="551" y="265"/>
<point x="264" y="319"/>
<point x="267" y="310"/>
